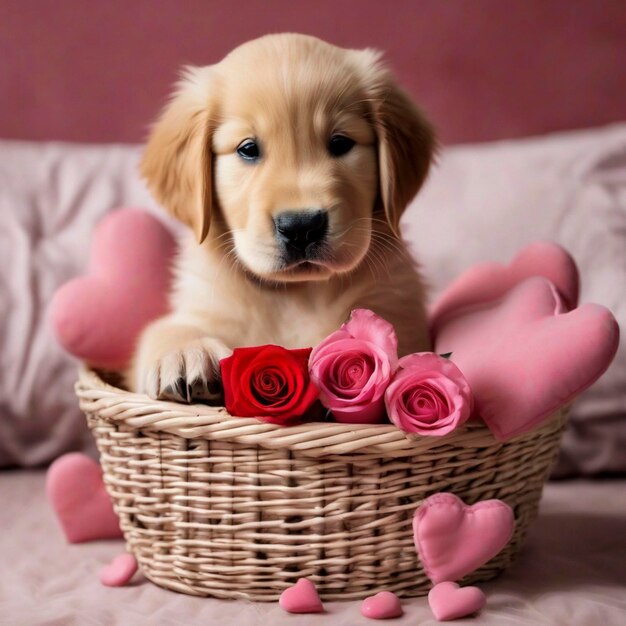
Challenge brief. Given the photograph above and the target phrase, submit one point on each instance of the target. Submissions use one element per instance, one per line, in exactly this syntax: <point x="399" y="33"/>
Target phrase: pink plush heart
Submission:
<point x="449" y="601"/>
<point x="76" y="492"/>
<point x="453" y="539"/>
<point x="486" y="282"/>
<point x="525" y="356"/>
<point x="119" y="571"/>
<point x="384" y="605"/>
<point x="301" y="598"/>
<point x="97" y="317"/>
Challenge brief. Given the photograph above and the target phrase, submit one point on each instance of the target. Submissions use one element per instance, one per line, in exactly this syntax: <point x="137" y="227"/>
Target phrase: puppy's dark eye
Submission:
<point x="249" y="150"/>
<point x="340" y="145"/>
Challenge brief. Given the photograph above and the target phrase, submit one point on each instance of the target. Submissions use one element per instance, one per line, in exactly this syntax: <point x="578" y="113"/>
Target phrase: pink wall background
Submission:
<point x="86" y="70"/>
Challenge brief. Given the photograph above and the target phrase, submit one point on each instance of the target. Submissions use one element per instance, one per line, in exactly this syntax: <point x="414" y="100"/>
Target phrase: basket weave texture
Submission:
<point x="229" y="507"/>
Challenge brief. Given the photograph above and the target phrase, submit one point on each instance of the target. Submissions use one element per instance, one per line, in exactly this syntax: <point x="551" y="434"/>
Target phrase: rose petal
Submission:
<point x="334" y="397"/>
<point x="352" y="371"/>
<point x="427" y="396"/>
<point x="353" y="366"/>
<point x="328" y="342"/>
<point x="269" y="382"/>
<point x="371" y="413"/>
<point x="236" y="403"/>
<point x="367" y="326"/>
<point x="429" y="361"/>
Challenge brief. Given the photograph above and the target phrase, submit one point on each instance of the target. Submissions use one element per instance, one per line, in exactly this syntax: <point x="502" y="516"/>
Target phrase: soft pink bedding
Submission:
<point x="572" y="572"/>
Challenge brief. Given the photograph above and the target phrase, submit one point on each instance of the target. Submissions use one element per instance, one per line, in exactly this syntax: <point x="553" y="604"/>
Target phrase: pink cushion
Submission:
<point x="485" y="282"/>
<point x="485" y="202"/>
<point x="97" y="317"/>
<point x="454" y="539"/>
<point x="524" y="356"/>
<point x="79" y="498"/>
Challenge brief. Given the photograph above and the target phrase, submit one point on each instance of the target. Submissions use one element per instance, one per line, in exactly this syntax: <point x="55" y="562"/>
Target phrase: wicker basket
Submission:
<point x="229" y="507"/>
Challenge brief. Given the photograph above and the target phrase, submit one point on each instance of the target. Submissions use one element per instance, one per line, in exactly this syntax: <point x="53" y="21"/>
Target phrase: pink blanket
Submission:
<point x="571" y="571"/>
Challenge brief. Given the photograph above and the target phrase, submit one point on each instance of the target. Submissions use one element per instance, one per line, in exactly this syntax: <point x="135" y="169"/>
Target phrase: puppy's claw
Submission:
<point x="206" y="391"/>
<point x="176" y="392"/>
<point x="214" y="388"/>
<point x="188" y="375"/>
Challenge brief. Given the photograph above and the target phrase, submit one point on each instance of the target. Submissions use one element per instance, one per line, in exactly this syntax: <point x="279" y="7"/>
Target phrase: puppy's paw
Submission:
<point x="189" y="374"/>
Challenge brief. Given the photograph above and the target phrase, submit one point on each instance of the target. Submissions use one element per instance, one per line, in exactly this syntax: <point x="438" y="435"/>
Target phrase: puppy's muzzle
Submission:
<point x="301" y="233"/>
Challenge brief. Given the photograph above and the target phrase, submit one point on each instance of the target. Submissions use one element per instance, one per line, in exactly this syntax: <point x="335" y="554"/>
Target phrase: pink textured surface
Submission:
<point x="570" y="573"/>
<point x="99" y="71"/>
<point x="453" y="539"/>
<point x="98" y="317"/>
<point x="525" y="356"/>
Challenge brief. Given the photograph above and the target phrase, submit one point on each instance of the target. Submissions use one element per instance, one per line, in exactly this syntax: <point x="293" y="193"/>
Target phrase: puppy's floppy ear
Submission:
<point x="177" y="160"/>
<point x="406" y="140"/>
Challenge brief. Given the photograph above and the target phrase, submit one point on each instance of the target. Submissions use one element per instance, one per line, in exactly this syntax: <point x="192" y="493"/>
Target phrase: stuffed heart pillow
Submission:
<point x="485" y="282"/>
<point x="524" y="356"/>
<point x="98" y="317"/>
<point x="77" y="494"/>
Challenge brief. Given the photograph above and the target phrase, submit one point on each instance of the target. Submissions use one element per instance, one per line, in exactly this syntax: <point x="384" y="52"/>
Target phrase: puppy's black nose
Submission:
<point x="300" y="229"/>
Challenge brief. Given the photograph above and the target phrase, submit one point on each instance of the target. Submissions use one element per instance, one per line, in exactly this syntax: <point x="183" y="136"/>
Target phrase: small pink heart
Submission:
<point x="119" y="571"/>
<point x="486" y="282"/>
<point x="98" y="317"/>
<point x="301" y="598"/>
<point x="449" y="601"/>
<point x="453" y="539"/>
<point x="383" y="605"/>
<point x="525" y="356"/>
<point x="77" y="494"/>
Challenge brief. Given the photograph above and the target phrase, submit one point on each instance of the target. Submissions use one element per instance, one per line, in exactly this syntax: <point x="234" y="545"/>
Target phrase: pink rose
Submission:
<point x="428" y="395"/>
<point x="353" y="366"/>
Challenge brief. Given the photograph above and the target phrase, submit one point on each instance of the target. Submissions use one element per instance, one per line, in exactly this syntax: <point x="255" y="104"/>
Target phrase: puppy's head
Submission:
<point x="295" y="150"/>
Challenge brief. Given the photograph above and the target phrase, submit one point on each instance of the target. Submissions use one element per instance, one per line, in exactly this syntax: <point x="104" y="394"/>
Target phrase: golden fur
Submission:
<point x="290" y="93"/>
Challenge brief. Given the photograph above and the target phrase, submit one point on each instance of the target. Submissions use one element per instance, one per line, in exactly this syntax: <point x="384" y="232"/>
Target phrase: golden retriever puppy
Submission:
<point x="292" y="161"/>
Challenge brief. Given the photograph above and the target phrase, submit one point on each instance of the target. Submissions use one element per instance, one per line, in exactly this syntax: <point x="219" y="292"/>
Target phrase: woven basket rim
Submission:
<point x="315" y="439"/>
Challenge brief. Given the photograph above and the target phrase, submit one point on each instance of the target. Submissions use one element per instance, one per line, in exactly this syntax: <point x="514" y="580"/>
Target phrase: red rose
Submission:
<point x="268" y="382"/>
